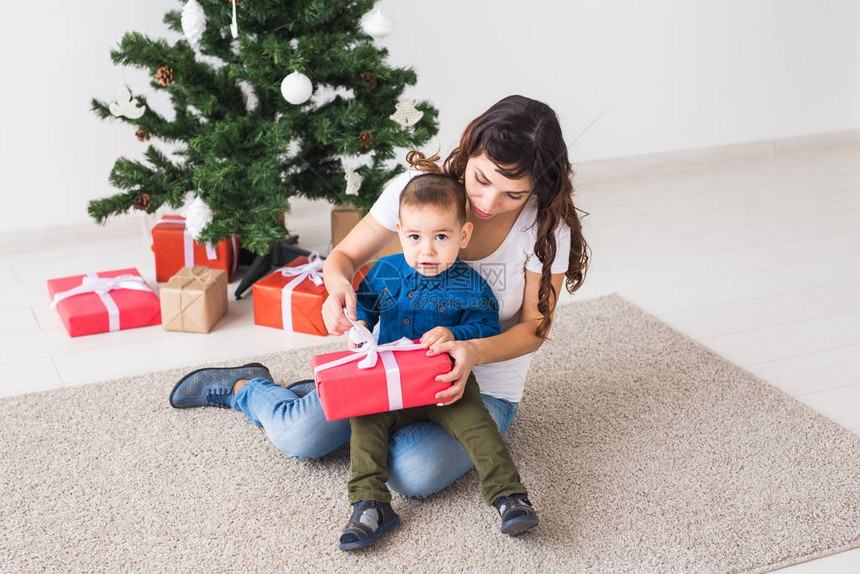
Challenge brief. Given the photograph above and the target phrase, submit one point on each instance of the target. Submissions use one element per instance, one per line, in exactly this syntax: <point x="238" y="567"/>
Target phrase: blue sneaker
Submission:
<point x="517" y="514"/>
<point x="213" y="387"/>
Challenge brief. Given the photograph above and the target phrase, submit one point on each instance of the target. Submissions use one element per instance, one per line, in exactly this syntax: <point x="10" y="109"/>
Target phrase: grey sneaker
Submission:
<point x="213" y="387"/>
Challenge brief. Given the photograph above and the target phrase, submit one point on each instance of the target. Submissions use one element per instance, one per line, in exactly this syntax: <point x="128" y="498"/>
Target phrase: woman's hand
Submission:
<point x="464" y="357"/>
<point x="342" y="295"/>
<point x="436" y="335"/>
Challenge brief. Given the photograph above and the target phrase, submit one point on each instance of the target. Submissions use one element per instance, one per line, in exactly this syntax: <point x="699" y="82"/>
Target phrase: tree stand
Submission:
<point x="279" y="255"/>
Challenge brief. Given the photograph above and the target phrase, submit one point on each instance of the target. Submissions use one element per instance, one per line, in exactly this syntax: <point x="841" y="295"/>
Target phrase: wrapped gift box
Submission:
<point x="344" y="218"/>
<point x="292" y="300"/>
<point x="349" y="391"/>
<point x="175" y="248"/>
<point x="194" y="299"/>
<point x="108" y="301"/>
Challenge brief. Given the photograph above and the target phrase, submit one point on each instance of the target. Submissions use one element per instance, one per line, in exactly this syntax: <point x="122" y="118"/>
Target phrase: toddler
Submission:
<point x="427" y="293"/>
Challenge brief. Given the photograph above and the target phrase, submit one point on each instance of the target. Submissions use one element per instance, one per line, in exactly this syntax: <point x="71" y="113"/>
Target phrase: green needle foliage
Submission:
<point x="237" y="142"/>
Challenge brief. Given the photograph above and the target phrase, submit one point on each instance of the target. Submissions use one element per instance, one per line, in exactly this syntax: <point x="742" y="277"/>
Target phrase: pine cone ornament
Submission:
<point x="365" y="138"/>
<point x="368" y="79"/>
<point x="142" y="202"/>
<point x="164" y="76"/>
<point x="142" y="136"/>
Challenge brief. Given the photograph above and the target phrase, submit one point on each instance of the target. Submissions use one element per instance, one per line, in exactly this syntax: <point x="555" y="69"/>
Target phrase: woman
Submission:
<point x="527" y="241"/>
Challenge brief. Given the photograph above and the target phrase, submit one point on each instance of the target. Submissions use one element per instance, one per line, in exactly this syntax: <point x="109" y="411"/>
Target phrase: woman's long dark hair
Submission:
<point x="524" y="136"/>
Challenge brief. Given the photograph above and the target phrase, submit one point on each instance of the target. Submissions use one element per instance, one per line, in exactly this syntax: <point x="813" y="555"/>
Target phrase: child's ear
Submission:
<point x="465" y="234"/>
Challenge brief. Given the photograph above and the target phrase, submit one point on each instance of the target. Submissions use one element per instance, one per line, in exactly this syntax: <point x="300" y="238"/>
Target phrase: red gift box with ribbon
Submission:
<point x="291" y="298"/>
<point x="105" y="301"/>
<point x="175" y="248"/>
<point x="379" y="378"/>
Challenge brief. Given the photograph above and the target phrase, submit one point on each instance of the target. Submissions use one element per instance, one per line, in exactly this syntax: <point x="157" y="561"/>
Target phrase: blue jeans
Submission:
<point x="422" y="458"/>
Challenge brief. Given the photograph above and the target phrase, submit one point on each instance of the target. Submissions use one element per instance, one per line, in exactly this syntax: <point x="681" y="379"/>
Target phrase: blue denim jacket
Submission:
<point x="408" y="304"/>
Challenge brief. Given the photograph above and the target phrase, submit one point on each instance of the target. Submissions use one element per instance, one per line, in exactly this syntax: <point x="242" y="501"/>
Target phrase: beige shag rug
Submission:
<point x="643" y="451"/>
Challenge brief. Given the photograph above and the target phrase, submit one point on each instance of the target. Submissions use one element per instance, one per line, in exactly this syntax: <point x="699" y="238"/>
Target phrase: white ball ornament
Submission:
<point x="193" y="22"/>
<point x="297" y="88"/>
<point x="376" y="25"/>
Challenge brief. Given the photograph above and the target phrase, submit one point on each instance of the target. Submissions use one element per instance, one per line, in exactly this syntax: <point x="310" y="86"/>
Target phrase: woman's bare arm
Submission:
<point x="356" y="249"/>
<point x="515" y="342"/>
<point x="519" y="339"/>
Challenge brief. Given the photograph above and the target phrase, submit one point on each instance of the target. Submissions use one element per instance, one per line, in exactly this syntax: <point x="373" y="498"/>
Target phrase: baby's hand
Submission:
<point x="349" y="344"/>
<point x="436" y="335"/>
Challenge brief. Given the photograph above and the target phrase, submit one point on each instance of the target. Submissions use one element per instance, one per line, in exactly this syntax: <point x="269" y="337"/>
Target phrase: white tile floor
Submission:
<point x="758" y="260"/>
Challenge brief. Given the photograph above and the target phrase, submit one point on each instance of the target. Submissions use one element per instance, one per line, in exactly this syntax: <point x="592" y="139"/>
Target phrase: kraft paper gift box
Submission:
<point x="194" y="299"/>
<point x="291" y="298"/>
<point x="344" y="217"/>
<point x="399" y="380"/>
<point x="104" y="301"/>
<point x="174" y="249"/>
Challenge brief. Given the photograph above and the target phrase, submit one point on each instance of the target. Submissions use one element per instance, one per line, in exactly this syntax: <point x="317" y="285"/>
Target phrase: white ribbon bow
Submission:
<point x="311" y="270"/>
<point x="367" y="352"/>
<point x="364" y="343"/>
<point x="102" y="286"/>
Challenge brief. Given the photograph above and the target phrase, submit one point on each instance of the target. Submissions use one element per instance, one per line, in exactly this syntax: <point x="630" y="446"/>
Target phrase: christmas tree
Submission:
<point x="235" y="140"/>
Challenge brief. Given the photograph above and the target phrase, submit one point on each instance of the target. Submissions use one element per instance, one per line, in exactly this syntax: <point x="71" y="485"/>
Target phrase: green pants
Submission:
<point x="467" y="420"/>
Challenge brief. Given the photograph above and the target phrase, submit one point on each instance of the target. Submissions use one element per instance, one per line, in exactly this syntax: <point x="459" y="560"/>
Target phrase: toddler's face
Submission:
<point x="431" y="238"/>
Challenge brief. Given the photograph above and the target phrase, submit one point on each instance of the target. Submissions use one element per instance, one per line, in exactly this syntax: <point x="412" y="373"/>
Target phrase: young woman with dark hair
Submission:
<point x="527" y="243"/>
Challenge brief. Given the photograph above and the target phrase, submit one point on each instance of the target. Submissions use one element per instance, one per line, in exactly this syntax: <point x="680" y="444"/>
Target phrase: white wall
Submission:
<point x="669" y="74"/>
<point x="55" y="153"/>
<point x="666" y="74"/>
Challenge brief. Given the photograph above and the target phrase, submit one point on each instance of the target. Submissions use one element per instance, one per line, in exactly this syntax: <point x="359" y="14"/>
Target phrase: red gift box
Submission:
<point x="300" y="285"/>
<point x="175" y="248"/>
<point x="104" y="305"/>
<point x="399" y="380"/>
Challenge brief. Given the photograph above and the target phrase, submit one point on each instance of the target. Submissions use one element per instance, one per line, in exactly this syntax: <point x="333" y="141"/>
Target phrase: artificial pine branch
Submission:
<point x="234" y="152"/>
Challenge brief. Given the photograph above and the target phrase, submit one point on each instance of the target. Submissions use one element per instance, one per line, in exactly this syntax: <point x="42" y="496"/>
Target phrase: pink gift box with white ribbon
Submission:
<point x="378" y="378"/>
<point x="104" y="301"/>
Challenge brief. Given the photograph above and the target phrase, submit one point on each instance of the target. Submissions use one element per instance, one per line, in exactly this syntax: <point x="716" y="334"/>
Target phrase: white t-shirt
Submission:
<point x="504" y="270"/>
